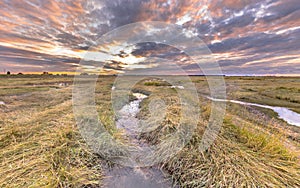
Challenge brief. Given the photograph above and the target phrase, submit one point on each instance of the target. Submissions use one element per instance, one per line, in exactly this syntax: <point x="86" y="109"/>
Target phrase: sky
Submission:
<point x="246" y="37"/>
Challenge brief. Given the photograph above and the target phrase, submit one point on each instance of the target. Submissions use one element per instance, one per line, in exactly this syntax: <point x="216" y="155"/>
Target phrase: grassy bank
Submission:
<point x="39" y="141"/>
<point x="253" y="149"/>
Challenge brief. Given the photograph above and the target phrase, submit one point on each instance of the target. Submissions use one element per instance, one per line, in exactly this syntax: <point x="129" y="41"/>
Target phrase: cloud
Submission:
<point x="245" y="36"/>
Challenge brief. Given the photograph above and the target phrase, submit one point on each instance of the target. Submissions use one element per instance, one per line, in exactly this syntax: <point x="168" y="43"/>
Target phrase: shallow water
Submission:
<point x="127" y="177"/>
<point x="285" y="114"/>
<point x="138" y="177"/>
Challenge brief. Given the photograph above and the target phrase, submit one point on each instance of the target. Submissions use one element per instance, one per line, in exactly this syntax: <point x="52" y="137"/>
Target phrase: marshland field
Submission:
<point x="40" y="144"/>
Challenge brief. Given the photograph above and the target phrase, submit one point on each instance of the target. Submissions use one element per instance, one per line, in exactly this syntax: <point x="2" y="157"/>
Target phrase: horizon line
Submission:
<point x="77" y="73"/>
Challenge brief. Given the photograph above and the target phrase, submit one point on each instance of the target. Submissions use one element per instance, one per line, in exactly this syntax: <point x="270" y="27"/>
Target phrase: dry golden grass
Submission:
<point x="248" y="152"/>
<point x="40" y="145"/>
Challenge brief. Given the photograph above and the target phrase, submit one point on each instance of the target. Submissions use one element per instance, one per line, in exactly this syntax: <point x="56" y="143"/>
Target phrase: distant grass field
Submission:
<point x="273" y="91"/>
<point x="40" y="145"/>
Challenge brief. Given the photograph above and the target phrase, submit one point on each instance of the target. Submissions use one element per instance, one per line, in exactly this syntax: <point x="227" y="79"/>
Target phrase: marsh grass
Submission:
<point x="40" y="144"/>
<point x="156" y="83"/>
<point x="250" y="151"/>
<point x="46" y="152"/>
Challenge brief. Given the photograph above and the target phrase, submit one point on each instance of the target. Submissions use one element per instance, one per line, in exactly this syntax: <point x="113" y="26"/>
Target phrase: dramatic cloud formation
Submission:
<point x="245" y="36"/>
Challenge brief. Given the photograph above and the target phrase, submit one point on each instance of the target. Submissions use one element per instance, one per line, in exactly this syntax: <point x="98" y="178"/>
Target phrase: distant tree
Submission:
<point x="20" y="73"/>
<point x="84" y="74"/>
<point x="8" y="73"/>
<point x="45" y="73"/>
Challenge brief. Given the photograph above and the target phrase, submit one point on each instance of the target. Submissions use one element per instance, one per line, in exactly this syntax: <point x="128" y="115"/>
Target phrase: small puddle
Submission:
<point x="285" y="114"/>
<point x="139" y="177"/>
